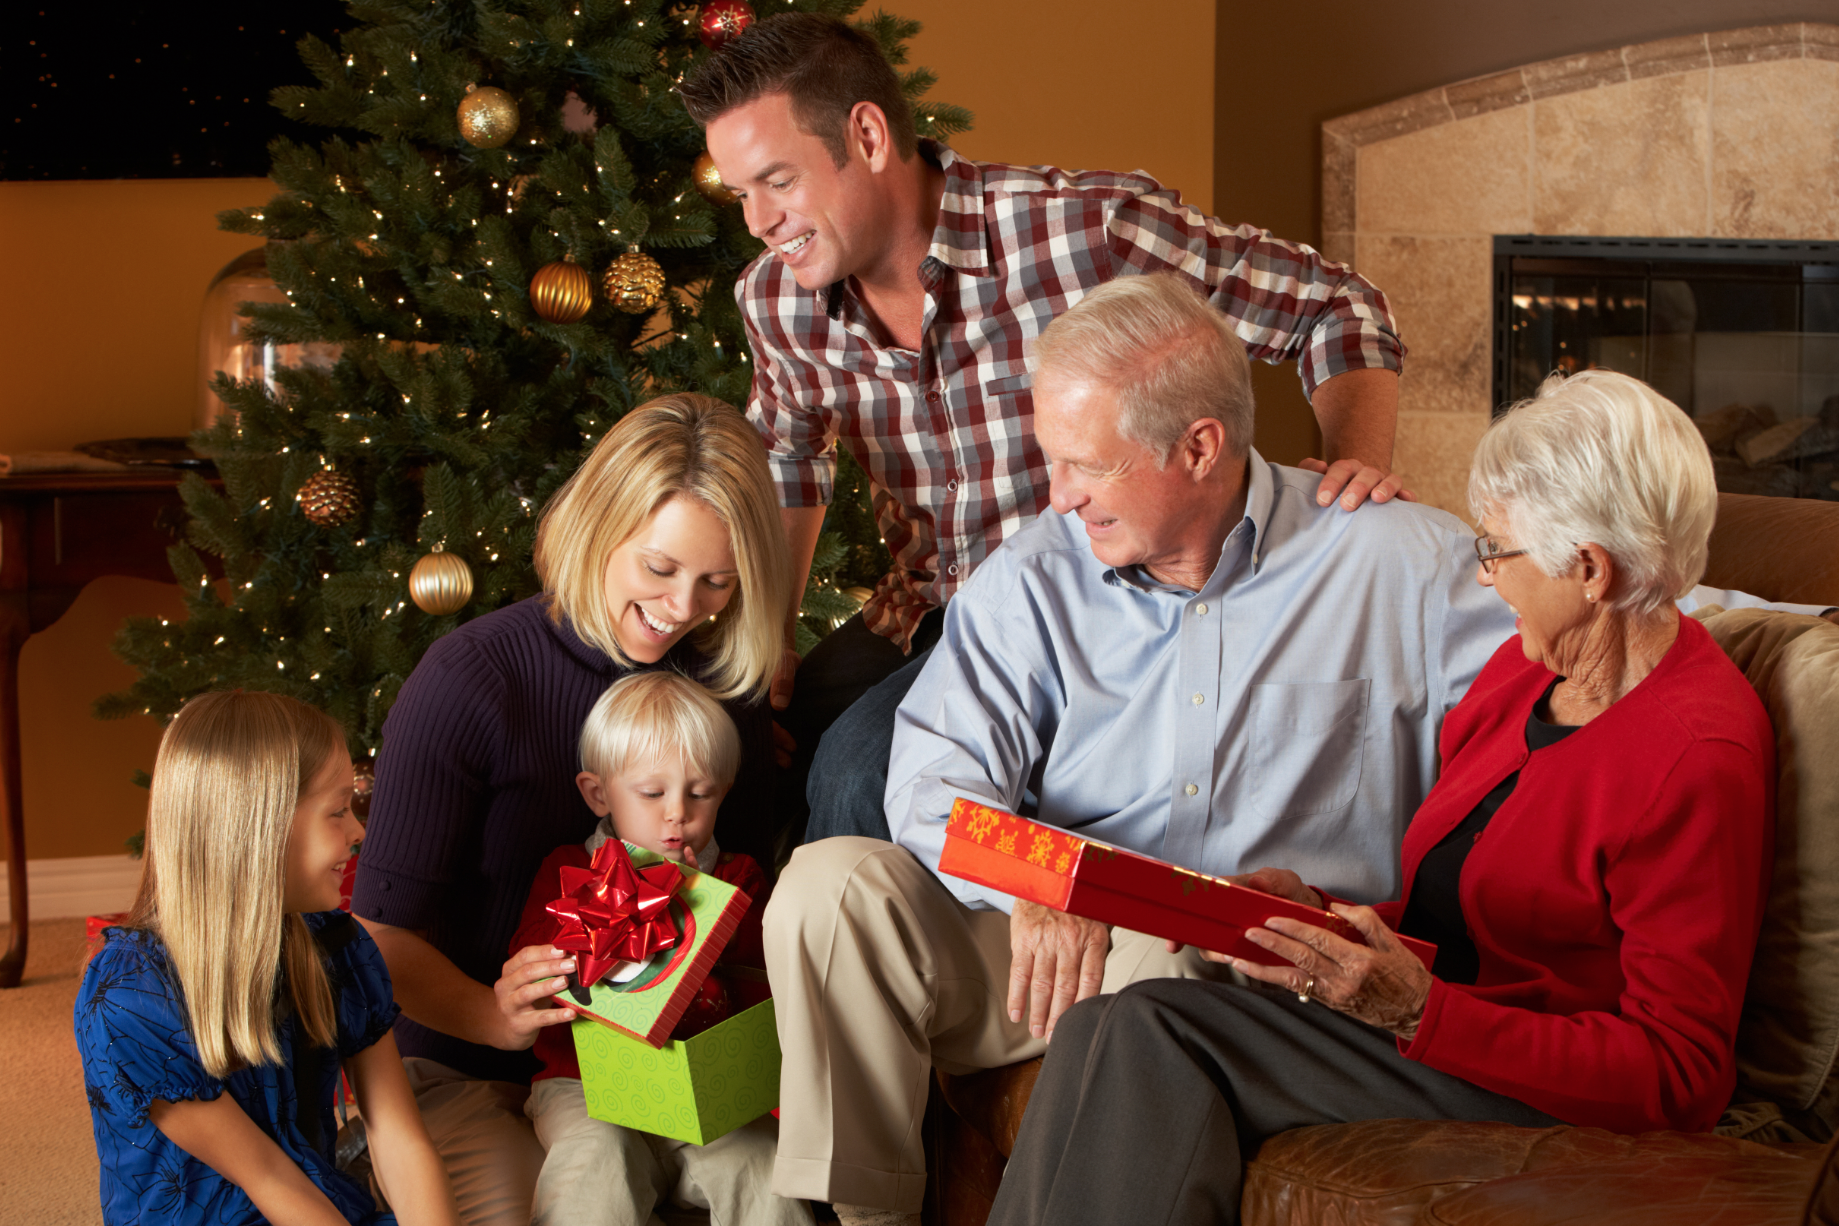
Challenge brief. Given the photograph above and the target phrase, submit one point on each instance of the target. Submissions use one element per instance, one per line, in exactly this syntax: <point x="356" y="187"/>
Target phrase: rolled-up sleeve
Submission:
<point x="971" y="725"/>
<point x="1286" y="301"/>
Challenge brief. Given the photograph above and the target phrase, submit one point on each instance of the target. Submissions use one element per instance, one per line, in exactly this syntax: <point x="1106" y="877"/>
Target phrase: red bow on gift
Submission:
<point x="612" y="912"/>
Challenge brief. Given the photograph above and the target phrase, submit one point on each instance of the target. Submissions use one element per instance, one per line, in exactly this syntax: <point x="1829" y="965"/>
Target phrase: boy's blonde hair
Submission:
<point x="689" y="446"/>
<point x="231" y="769"/>
<point x="660" y="716"/>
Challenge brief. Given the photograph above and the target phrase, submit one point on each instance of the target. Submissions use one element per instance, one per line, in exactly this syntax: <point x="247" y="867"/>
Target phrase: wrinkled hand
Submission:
<point x="1356" y="482"/>
<point x="1055" y="961"/>
<point x="533" y="975"/>
<point x="1380" y="983"/>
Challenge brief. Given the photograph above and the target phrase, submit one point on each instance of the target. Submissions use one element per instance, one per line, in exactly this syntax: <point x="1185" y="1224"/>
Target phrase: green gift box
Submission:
<point x="693" y="1089"/>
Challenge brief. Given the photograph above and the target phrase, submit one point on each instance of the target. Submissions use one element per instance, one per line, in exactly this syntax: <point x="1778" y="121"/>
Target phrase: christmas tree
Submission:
<point x="513" y="241"/>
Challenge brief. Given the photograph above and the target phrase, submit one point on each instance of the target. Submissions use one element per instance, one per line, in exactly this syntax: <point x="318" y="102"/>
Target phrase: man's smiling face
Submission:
<point x="1135" y="509"/>
<point x="819" y="219"/>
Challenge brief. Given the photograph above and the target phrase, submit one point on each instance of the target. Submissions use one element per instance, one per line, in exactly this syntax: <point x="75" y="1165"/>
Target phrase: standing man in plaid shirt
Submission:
<point x="892" y="313"/>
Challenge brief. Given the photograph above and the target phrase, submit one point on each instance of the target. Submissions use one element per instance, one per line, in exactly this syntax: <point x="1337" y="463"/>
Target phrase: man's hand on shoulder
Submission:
<point x="1055" y="960"/>
<point x="1356" y="482"/>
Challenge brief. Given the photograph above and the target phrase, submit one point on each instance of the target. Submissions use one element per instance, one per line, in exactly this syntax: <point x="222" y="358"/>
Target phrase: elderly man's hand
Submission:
<point x="1356" y="482"/>
<point x="1380" y="983"/>
<point x="1055" y="960"/>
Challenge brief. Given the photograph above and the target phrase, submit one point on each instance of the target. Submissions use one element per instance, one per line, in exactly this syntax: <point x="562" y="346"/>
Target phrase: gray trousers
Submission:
<point x="1150" y="1100"/>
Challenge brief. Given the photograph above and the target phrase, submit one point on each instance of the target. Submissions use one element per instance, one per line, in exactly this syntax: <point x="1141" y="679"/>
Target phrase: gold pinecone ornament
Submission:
<point x="488" y="117"/>
<point x="633" y="282"/>
<point x="440" y="582"/>
<point x="561" y="292"/>
<point x="330" y="499"/>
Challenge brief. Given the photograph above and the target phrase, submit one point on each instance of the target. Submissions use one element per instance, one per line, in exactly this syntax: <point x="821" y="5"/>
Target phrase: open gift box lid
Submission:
<point x="651" y="995"/>
<point x="1085" y="877"/>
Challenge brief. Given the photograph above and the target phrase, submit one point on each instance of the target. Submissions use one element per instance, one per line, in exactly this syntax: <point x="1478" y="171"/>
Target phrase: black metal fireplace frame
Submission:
<point x="1637" y="254"/>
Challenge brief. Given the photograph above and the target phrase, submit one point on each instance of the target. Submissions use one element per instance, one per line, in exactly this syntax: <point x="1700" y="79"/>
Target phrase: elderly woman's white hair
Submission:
<point x="1601" y="458"/>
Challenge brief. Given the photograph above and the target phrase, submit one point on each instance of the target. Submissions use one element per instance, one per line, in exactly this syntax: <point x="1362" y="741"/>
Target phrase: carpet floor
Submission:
<point x="47" y="1154"/>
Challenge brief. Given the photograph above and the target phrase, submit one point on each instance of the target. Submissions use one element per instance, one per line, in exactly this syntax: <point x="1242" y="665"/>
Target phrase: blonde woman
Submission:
<point x="221" y="1011"/>
<point x="669" y="522"/>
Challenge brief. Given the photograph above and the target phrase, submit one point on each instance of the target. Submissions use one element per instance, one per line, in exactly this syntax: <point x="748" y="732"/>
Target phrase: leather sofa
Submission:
<point x="1765" y="1167"/>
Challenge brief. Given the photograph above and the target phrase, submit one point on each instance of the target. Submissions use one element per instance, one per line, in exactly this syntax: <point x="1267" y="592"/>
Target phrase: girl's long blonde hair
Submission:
<point x="231" y="770"/>
<point x="684" y="445"/>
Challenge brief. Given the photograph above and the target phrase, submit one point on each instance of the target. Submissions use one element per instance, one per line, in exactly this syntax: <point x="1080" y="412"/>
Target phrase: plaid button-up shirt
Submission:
<point x="946" y="434"/>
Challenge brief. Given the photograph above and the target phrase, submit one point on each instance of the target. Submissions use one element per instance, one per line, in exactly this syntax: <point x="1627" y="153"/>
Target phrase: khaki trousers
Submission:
<point x="878" y="975"/>
<point x="600" y="1174"/>
<point x="488" y="1147"/>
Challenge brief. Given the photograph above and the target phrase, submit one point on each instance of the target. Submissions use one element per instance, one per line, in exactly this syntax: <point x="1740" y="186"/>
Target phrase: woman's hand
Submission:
<point x="1380" y="983"/>
<point x="1278" y="881"/>
<point x="534" y="974"/>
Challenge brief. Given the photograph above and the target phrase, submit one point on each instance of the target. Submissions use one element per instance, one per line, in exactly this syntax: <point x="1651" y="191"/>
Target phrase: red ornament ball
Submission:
<point x="709" y="1007"/>
<point x="723" y="21"/>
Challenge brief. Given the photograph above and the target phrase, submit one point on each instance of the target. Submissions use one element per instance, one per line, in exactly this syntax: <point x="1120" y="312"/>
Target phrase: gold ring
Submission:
<point x="1309" y="987"/>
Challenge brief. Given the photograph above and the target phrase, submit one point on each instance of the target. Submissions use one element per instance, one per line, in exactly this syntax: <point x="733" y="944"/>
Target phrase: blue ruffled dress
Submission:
<point x="137" y="1049"/>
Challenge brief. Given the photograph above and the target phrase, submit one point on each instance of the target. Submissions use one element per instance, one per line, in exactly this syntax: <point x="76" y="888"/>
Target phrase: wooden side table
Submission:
<point x="59" y="531"/>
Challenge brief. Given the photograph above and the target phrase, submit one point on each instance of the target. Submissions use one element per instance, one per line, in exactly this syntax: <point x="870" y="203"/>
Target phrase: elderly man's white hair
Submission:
<point x="1170" y="356"/>
<point x="1601" y="458"/>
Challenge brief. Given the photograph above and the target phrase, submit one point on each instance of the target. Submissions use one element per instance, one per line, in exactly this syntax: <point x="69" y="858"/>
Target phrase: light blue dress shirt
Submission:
<point x="1285" y="714"/>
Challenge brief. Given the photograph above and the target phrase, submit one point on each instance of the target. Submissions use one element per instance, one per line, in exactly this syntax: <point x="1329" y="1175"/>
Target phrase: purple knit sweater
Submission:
<point x="476" y="784"/>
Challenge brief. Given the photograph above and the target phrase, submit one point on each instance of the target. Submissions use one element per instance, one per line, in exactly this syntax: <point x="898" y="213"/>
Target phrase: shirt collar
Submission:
<point x="960" y="240"/>
<point x="1258" y="498"/>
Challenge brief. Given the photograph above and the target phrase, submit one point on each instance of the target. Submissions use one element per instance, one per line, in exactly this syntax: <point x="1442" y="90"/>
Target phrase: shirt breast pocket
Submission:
<point x="1307" y="746"/>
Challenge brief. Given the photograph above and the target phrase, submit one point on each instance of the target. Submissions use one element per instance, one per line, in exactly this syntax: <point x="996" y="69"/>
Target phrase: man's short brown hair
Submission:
<point x="823" y="65"/>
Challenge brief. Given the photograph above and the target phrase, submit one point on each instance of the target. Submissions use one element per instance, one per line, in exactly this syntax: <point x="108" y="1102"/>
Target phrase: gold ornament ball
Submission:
<point x="633" y="282"/>
<point x="440" y="583"/>
<point x="561" y="292"/>
<point x="488" y="117"/>
<point x="709" y="181"/>
<point x="330" y="499"/>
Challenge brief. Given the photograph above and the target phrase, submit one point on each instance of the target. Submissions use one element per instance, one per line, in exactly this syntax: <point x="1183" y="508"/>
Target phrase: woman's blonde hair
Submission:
<point x="687" y="446"/>
<point x="231" y="770"/>
<point x="656" y="716"/>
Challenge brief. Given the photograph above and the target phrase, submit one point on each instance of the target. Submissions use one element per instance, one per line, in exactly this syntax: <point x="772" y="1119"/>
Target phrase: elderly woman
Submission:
<point x="670" y="520"/>
<point x="1591" y="864"/>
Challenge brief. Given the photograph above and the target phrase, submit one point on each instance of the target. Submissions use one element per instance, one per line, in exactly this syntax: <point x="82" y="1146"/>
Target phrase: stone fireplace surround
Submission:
<point x="1726" y="135"/>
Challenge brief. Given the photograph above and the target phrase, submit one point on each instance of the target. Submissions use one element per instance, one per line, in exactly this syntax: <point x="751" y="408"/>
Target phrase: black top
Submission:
<point x="1435" y="910"/>
<point x="476" y="785"/>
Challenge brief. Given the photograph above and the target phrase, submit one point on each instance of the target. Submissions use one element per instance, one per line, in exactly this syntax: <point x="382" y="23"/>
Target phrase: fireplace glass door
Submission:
<point x="1744" y="336"/>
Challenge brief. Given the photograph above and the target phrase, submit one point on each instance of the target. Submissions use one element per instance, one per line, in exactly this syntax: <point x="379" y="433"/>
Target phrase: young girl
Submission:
<point x="658" y="753"/>
<point x="213" y="1023"/>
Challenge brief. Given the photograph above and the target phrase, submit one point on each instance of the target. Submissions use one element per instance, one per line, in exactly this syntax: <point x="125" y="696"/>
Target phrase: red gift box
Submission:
<point x="1084" y="877"/>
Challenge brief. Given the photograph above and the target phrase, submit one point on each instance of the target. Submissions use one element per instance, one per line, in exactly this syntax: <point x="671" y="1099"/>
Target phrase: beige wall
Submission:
<point x="102" y="285"/>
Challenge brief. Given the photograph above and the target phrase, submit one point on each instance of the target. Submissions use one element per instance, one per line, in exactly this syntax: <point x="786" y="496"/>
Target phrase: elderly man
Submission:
<point x="890" y="313"/>
<point x="1186" y="656"/>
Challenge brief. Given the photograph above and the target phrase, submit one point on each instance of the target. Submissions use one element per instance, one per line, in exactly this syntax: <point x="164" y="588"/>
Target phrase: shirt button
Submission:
<point x="952" y="569"/>
<point x="932" y="397"/>
<point x="1192" y="790"/>
<point x="951" y="487"/>
<point x="1201" y="609"/>
<point x="1199" y="698"/>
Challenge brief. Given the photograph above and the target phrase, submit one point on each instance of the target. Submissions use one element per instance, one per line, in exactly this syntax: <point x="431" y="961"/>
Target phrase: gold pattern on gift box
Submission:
<point x="1006" y="843"/>
<point x="440" y="583"/>
<point x="488" y="117"/>
<point x="982" y="825"/>
<point x="1043" y="849"/>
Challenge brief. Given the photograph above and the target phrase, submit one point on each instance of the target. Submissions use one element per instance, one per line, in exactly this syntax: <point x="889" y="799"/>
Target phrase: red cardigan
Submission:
<point x="1614" y="899"/>
<point x="555" y="1045"/>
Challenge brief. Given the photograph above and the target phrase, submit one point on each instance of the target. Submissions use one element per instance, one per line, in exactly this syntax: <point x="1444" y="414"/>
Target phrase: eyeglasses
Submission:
<point x="1488" y="551"/>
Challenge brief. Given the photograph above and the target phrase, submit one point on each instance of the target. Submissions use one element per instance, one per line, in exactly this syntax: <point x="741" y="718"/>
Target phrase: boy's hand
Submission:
<point x="534" y="974"/>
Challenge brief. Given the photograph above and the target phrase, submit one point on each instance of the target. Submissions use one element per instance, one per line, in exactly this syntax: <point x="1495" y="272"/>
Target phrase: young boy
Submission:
<point x="658" y="753"/>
